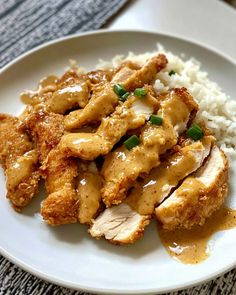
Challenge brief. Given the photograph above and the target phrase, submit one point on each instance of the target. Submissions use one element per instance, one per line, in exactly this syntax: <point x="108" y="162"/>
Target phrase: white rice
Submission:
<point x="217" y="110"/>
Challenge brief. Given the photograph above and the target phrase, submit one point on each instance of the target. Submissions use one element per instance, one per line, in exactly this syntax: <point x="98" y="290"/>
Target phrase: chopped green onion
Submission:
<point x="119" y="90"/>
<point x="132" y="142"/>
<point x="124" y="96"/>
<point x="195" y="132"/>
<point x="172" y="72"/>
<point x="140" y="92"/>
<point x="156" y="120"/>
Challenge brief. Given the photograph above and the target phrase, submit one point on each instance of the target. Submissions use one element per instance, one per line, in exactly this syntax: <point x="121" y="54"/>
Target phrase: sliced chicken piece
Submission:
<point x="122" y="167"/>
<point x="60" y="95"/>
<point x="62" y="204"/>
<point x="119" y="225"/>
<point x="46" y="129"/>
<point x="88" y="190"/>
<point x="104" y="100"/>
<point x="147" y="73"/>
<point x="152" y="190"/>
<point x="131" y="217"/>
<point x="199" y="195"/>
<point x="73" y="90"/>
<point x="19" y="160"/>
<point x="130" y="115"/>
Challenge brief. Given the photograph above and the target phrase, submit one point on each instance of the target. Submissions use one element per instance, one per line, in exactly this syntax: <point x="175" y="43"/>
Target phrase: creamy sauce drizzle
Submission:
<point x="191" y="246"/>
<point x="47" y="84"/>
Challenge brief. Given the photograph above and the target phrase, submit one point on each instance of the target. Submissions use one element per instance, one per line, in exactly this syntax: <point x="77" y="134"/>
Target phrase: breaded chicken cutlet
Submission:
<point x="113" y="152"/>
<point x="19" y="159"/>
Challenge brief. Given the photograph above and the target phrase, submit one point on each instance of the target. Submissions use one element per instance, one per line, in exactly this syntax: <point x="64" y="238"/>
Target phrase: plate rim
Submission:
<point x="65" y="283"/>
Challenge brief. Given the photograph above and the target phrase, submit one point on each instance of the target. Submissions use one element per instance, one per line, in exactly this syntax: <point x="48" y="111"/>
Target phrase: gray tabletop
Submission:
<point x="25" y="24"/>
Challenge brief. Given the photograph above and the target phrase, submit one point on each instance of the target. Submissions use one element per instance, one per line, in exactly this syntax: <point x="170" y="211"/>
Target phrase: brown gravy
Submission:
<point x="190" y="246"/>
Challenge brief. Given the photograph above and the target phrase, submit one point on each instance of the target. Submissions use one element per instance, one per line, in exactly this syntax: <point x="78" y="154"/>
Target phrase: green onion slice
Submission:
<point x="132" y="142"/>
<point x="156" y="120"/>
<point x="124" y="96"/>
<point x="140" y="92"/>
<point x="119" y="90"/>
<point x="195" y="132"/>
<point x="172" y="72"/>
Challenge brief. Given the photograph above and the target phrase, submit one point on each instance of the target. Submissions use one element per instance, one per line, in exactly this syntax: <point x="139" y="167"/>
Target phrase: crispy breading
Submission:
<point x="126" y="222"/>
<point x="198" y="196"/>
<point x="73" y="90"/>
<point x="147" y="73"/>
<point x="59" y="95"/>
<point x="122" y="167"/>
<point x="19" y="160"/>
<point x="104" y="100"/>
<point x="130" y="115"/>
<point x="61" y="205"/>
<point x="46" y="129"/>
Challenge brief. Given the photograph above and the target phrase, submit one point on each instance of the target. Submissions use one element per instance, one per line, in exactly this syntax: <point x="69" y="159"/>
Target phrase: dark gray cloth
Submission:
<point x="25" y="24"/>
<point x="15" y="281"/>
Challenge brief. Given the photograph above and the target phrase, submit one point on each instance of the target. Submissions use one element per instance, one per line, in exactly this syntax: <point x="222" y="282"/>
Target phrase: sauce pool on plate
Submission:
<point x="191" y="246"/>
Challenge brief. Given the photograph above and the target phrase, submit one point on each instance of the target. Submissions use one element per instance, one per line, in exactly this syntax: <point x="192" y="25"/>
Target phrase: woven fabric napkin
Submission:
<point x="25" y="24"/>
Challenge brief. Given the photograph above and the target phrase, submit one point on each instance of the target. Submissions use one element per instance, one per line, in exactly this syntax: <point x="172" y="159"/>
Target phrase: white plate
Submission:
<point x="66" y="255"/>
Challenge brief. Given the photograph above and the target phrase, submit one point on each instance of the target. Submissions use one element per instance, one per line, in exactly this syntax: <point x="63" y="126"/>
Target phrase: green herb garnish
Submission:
<point x="132" y="142"/>
<point x="172" y="72"/>
<point x="124" y="96"/>
<point x="119" y="90"/>
<point x="195" y="132"/>
<point x="140" y="92"/>
<point x="156" y="120"/>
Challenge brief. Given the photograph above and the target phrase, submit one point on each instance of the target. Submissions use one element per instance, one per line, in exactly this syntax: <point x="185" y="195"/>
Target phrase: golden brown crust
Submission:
<point x="186" y="98"/>
<point x="154" y="141"/>
<point x="202" y="205"/>
<point x="147" y="73"/>
<point x="19" y="162"/>
<point x="46" y="129"/>
<point x="14" y="143"/>
<point x="21" y="195"/>
<point x="209" y="201"/>
<point x="61" y="207"/>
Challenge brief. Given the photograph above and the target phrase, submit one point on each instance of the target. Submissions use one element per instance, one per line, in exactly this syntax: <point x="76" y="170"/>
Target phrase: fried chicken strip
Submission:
<point x="46" y="129"/>
<point x="62" y="204"/>
<point x="126" y="222"/>
<point x="104" y="100"/>
<point x="73" y="90"/>
<point x="198" y="196"/>
<point x="147" y="73"/>
<point x="132" y="114"/>
<point x="73" y="188"/>
<point x="19" y="160"/>
<point x="122" y="167"/>
<point x="60" y="95"/>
